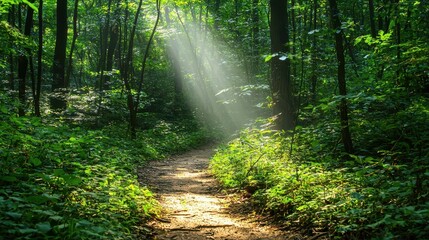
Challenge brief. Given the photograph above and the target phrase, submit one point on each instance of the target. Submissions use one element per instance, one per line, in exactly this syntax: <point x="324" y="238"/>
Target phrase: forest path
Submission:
<point x="193" y="208"/>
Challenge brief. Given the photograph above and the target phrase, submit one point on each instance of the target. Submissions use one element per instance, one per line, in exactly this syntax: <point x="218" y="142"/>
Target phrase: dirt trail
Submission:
<point x="193" y="208"/>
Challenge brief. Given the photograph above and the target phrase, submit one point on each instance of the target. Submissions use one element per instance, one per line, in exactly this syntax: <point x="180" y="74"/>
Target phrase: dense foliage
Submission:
<point x="67" y="182"/>
<point x="307" y="181"/>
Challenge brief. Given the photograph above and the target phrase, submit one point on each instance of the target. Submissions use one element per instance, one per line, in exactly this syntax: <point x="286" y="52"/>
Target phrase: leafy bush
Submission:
<point x="58" y="182"/>
<point x="307" y="181"/>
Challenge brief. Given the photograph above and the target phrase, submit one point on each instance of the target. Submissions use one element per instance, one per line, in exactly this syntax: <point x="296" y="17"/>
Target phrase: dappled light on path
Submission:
<point x="193" y="207"/>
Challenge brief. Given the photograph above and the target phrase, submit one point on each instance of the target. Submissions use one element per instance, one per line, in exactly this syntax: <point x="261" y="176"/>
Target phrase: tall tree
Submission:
<point x="11" y="58"/>
<point x="255" y="38"/>
<point x="372" y="18"/>
<point x="281" y="81"/>
<point x="23" y="63"/>
<point x="133" y="103"/>
<point x="339" y="48"/>
<point x="73" y="43"/>
<point x="37" y="90"/>
<point x="59" y="83"/>
<point x="314" y="51"/>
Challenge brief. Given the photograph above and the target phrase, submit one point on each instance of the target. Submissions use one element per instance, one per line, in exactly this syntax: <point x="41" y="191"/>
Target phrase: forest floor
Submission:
<point x="195" y="208"/>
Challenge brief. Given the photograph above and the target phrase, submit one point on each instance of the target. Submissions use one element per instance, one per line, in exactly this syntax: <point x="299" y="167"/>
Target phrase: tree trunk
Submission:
<point x="73" y="43"/>
<point x="372" y="18"/>
<point x="58" y="99"/>
<point x="216" y="14"/>
<point x="23" y="64"/>
<point x="103" y="48"/>
<point x="114" y="37"/>
<point x="339" y="47"/>
<point x="11" y="58"/>
<point x="255" y="39"/>
<point x="126" y="76"/>
<point x="280" y="67"/>
<point x="39" y="62"/>
<point x="314" y="55"/>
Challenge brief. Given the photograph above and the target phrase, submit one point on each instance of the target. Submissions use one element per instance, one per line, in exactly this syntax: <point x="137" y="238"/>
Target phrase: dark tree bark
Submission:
<point x="104" y="39"/>
<point x="280" y="68"/>
<point x="23" y="64"/>
<point x="58" y="100"/>
<point x="11" y="58"/>
<point x="372" y="18"/>
<point x="339" y="47"/>
<point x="216" y="14"/>
<point x="73" y="43"/>
<point x="314" y="51"/>
<point x="126" y="76"/>
<point x="114" y="37"/>
<point x="397" y="31"/>
<point x="255" y="38"/>
<point x="39" y="62"/>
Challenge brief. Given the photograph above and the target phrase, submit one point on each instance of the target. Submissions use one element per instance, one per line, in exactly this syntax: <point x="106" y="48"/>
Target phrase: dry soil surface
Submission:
<point x="193" y="208"/>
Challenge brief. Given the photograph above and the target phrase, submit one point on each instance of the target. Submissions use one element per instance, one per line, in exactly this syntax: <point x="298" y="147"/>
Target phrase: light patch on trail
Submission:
<point x="193" y="209"/>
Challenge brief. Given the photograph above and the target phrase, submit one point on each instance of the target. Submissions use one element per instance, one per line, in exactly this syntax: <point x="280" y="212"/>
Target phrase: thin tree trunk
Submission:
<point x="59" y="84"/>
<point x="314" y="54"/>
<point x="73" y="43"/>
<point x="339" y="47"/>
<point x="372" y="18"/>
<point x="11" y="58"/>
<point x="103" y="49"/>
<point x="114" y="37"/>
<point x="255" y="39"/>
<point x="23" y="64"/>
<point x="39" y="62"/>
<point x="146" y="54"/>
<point x="126" y="77"/>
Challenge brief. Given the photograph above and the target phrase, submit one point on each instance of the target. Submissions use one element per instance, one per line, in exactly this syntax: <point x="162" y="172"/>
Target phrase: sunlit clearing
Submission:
<point x="210" y="76"/>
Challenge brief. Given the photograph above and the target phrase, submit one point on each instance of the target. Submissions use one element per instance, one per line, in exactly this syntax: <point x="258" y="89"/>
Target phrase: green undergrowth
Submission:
<point x="308" y="182"/>
<point x="59" y="182"/>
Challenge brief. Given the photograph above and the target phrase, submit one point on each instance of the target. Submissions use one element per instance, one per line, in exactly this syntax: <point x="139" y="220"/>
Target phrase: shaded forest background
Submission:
<point x="327" y="101"/>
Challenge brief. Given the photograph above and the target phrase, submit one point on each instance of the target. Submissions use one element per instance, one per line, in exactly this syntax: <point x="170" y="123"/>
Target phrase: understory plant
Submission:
<point x="61" y="182"/>
<point x="306" y="180"/>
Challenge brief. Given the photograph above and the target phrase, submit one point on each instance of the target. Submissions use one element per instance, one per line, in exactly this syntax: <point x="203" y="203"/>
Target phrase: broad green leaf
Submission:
<point x="14" y="215"/>
<point x="44" y="227"/>
<point x="27" y="230"/>
<point x="37" y="199"/>
<point x="8" y="178"/>
<point x="35" y="161"/>
<point x="56" y="218"/>
<point x="59" y="172"/>
<point x="72" y="180"/>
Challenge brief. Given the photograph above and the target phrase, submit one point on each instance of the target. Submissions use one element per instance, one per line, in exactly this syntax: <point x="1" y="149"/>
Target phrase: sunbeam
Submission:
<point x="210" y="75"/>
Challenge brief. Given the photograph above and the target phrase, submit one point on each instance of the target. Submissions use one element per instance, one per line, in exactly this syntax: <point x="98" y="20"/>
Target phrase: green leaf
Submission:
<point x="45" y="212"/>
<point x="27" y="230"/>
<point x="3" y="109"/>
<point x="44" y="227"/>
<point x="30" y="5"/>
<point x="35" y="161"/>
<point x="59" y="172"/>
<point x="14" y="215"/>
<point x="56" y="218"/>
<point x="269" y="57"/>
<point x="8" y="178"/>
<point x="37" y="199"/>
<point x="72" y="180"/>
<point x="83" y="223"/>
